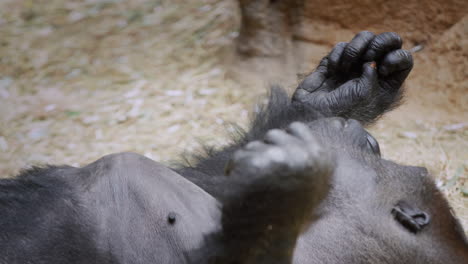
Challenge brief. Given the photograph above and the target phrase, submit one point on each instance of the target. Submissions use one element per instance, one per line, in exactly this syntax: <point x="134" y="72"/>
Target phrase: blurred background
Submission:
<point x="82" y="79"/>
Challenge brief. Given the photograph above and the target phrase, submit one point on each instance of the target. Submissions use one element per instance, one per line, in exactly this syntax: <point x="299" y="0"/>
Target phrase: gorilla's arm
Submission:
<point x="274" y="187"/>
<point x="360" y="80"/>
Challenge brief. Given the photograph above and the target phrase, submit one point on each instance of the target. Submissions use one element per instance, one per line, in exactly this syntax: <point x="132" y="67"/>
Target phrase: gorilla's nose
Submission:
<point x="353" y="124"/>
<point x="346" y="124"/>
<point x="338" y="122"/>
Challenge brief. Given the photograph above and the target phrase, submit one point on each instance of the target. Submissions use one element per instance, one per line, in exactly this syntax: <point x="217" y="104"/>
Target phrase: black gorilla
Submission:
<point x="305" y="184"/>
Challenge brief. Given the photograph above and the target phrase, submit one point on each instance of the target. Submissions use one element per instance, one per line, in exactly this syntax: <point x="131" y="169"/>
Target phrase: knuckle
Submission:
<point x="324" y="62"/>
<point x="351" y="51"/>
<point x="299" y="127"/>
<point x="376" y="45"/>
<point x="276" y="154"/>
<point x="406" y="55"/>
<point x="341" y="44"/>
<point x="257" y="162"/>
<point x="393" y="37"/>
<point x="296" y="124"/>
<point x="273" y="133"/>
<point x="253" y="144"/>
<point x="301" y="95"/>
<point x="365" y="34"/>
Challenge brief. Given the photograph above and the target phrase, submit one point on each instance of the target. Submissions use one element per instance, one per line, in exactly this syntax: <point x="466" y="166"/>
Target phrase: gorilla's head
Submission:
<point x="378" y="211"/>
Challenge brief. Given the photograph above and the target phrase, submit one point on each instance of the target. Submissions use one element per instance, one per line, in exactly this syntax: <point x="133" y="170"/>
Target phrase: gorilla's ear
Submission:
<point x="411" y="217"/>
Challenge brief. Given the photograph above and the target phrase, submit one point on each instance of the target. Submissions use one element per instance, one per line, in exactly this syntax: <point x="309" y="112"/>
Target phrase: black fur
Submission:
<point x="41" y="215"/>
<point x="301" y="185"/>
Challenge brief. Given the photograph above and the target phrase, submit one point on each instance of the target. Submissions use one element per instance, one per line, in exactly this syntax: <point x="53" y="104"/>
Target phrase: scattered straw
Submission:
<point x="81" y="79"/>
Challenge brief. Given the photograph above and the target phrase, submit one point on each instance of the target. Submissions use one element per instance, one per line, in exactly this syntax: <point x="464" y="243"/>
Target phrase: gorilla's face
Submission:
<point x="375" y="205"/>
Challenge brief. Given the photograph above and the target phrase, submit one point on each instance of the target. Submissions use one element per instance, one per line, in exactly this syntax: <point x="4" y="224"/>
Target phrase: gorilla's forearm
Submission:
<point x="358" y="80"/>
<point x="275" y="185"/>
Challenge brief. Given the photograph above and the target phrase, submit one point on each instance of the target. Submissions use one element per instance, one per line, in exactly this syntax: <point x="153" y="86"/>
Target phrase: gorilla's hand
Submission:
<point x="287" y="168"/>
<point x="360" y="79"/>
<point x="276" y="184"/>
<point x="294" y="152"/>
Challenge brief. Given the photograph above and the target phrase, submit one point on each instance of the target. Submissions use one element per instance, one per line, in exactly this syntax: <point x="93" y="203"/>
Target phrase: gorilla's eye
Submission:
<point x="373" y="144"/>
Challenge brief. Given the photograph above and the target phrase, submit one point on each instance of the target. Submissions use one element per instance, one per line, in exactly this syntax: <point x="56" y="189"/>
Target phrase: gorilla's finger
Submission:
<point x="334" y="57"/>
<point x="396" y="61"/>
<point x="313" y="81"/>
<point x="381" y="45"/>
<point x="395" y="67"/>
<point x="355" y="49"/>
<point x="369" y="77"/>
<point x="254" y="145"/>
<point x="301" y="131"/>
<point x="278" y="137"/>
<point x="241" y="155"/>
<point x="353" y="90"/>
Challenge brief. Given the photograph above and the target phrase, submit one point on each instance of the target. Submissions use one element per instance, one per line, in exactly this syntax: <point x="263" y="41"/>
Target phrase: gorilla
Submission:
<point x="305" y="184"/>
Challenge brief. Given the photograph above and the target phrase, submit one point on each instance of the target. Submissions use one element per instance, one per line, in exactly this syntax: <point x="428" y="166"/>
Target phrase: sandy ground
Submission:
<point x="81" y="79"/>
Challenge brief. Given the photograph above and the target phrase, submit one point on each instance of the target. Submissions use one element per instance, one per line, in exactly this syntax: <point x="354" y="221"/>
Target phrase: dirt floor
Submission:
<point x="81" y="79"/>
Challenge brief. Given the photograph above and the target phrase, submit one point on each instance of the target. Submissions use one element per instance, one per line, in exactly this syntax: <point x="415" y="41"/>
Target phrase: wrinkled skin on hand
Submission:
<point x="364" y="74"/>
